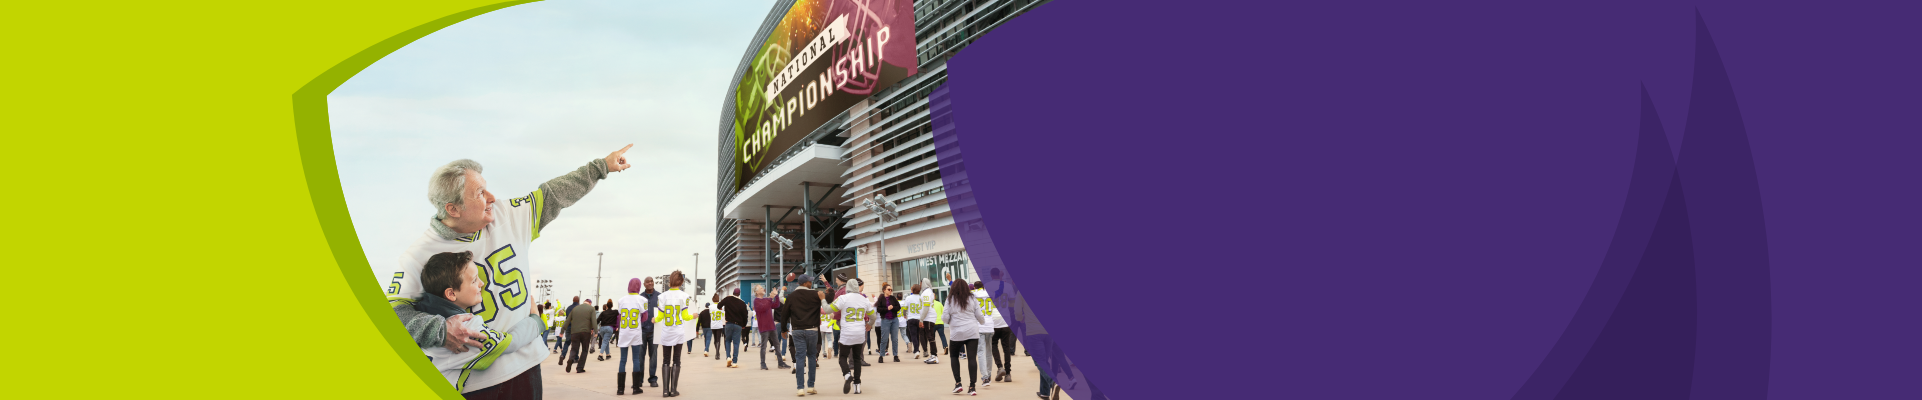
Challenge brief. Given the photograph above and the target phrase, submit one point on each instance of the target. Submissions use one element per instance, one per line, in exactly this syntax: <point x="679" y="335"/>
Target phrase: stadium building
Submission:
<point x="829" y="109"/>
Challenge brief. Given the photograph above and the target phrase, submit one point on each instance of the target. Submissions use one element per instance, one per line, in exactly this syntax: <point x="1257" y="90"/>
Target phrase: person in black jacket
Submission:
<point x="802" y="313"/>
<point x="701" y="326"/>
<point x="607" y="320"/>
<point x="734" y="311"/>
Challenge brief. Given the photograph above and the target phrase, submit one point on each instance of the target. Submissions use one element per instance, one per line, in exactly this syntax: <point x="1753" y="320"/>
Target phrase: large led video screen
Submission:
<point x="822" y="58"/>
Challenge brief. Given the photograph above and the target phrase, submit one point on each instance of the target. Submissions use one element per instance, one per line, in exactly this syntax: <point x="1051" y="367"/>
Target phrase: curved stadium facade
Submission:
<point x="804" y="177"/>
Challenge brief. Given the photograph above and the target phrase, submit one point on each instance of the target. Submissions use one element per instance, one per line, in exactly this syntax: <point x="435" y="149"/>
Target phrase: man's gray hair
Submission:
<point x="448" y="185"/>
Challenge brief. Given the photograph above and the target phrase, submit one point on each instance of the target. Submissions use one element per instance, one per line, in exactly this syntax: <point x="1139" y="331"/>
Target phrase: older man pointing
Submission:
<point x="469" y="218"/>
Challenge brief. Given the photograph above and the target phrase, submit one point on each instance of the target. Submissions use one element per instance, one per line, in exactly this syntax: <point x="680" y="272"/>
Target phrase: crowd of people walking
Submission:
<point x="806" y="321"/>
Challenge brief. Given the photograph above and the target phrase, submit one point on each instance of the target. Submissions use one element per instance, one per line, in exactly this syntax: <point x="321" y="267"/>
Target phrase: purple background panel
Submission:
<point x="1413" y="200"/>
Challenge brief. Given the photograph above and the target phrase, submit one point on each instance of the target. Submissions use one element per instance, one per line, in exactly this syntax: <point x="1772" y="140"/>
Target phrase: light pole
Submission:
<point x="884" y="211"/>
<point x="597" y="275"/>
<point x="780" y="257"/>
<point x="697" y="274"/>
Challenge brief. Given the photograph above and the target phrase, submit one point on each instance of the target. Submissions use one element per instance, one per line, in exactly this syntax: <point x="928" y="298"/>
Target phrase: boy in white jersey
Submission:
<point x="855" y="314"/>
<point x="452" y="287"/>
<point x="466" y="220"/>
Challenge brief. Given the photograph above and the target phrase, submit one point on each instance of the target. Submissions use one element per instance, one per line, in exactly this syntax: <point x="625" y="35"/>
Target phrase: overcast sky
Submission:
<point x="533" y="92"/>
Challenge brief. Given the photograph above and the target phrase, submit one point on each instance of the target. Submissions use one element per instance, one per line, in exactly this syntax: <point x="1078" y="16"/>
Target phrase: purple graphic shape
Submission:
<point x="1650" y="186"/>
<point x="1647" y="350"/>
<point x="1047" y="356"/>
<point x="1718" y="172"/>
<point x="1409" y="200"/>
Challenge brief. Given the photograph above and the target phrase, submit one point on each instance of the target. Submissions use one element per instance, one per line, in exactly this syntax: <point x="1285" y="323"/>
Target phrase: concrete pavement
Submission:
<point x="707" y="378"/>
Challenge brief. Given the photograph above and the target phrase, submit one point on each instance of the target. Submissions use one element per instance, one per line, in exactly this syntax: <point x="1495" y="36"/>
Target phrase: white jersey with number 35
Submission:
<point x="500" y="255"/>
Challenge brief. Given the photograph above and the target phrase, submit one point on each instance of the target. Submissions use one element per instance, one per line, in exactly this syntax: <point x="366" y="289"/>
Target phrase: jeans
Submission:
<point x="885" y="339"/>
<point x="607" y="333"/>
<point x="987" y="363"/>
<point x="642" y="352"/>
<point x="733" y="345"/>
<point x="768" y="343"/>
<point x="954" y="360"/>
<point x="1047" y="383"/>
<point x="805" y="352"/>
<point x="942" y="329"/>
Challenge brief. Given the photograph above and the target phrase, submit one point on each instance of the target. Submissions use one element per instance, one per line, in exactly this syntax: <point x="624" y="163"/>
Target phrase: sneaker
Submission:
<point x="971" y="391"/>
<point x="931" y="360"/>
<point x="857" y="388"/>
<point x="957" y="388"/>
<point x="812" y="391"/>
<point x="703" y="354"/>
<point x="847" y="383"/>
<point x="804" y="393"/>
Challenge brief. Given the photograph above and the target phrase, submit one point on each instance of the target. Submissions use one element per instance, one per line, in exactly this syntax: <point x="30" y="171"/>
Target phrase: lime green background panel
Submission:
<point x="177" y="223"/>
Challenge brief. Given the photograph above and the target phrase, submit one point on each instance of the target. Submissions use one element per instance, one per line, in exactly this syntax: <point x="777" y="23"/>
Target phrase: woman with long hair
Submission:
<point x="960" y="314"/>
<point x="673" y="312"/>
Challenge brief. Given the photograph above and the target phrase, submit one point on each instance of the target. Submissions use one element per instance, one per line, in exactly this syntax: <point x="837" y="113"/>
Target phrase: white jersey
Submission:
<point x="716" y="319"/>
<point x="460" y="368"/>
<point x="500" y="252"/>
<point x="927" y="305"/>
<point x="674" y="317"/>
<point x="854" y="309"/>
<point x="634" y="312"/>
<point x="912" y="303"/>
<point x="988" y="312"/>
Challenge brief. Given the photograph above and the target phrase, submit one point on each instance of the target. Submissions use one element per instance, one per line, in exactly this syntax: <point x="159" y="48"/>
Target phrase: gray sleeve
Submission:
<point x="562" y="192"/>
<point x="428" y="330"/>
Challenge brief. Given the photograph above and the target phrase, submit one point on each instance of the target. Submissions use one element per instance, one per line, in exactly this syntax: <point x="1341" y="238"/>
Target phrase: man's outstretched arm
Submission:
<point x="563" y="191"/>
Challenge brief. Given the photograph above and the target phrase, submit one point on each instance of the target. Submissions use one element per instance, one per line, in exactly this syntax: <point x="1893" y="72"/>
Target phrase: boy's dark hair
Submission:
<point x="443" y="272"/>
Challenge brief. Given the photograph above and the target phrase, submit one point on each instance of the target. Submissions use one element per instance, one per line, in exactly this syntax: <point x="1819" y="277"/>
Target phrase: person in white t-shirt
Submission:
<point x="673" y="318"/>
<point x="855" y="313"/>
